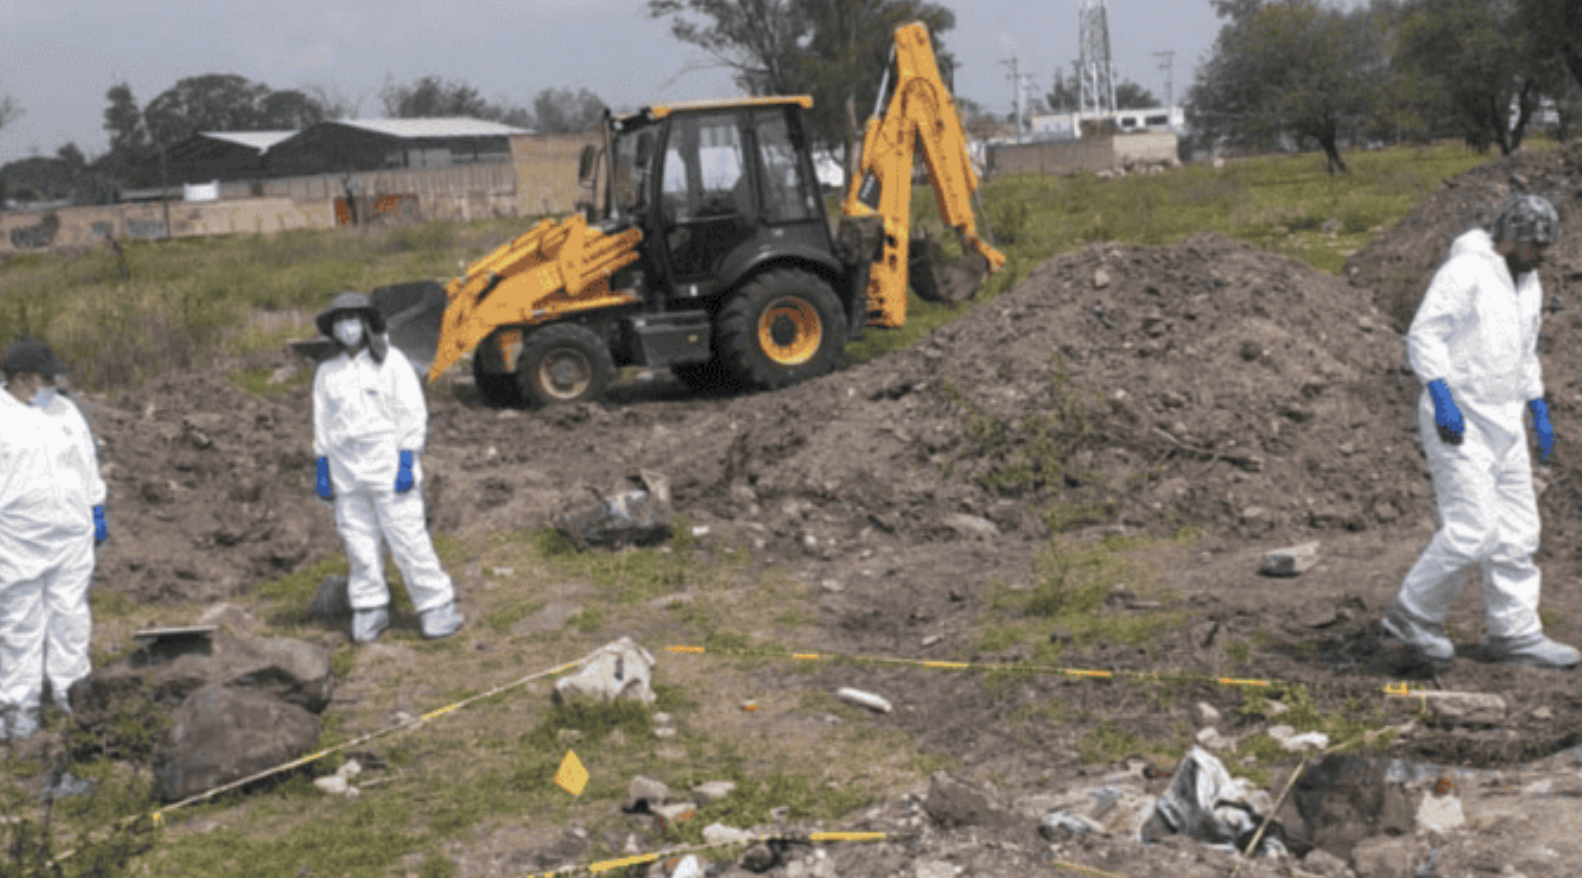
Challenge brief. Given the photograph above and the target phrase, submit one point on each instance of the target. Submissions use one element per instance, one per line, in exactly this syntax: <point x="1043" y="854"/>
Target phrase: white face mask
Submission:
<point x="43" y="397"/>
<point x="349" y="331"/>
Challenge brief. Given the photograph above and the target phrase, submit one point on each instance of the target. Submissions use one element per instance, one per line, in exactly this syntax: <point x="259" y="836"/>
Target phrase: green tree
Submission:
<point x="834" y="50"/>
<point x="1131" y="96"/>
<point x="1482" y="66"/>
<point x="1065" y="94"/>
<point x="129" y="141"/>
<point x="431" y="97"/>
<point x="1288" y="68"/>
<point x="1554" y="28"/>
<point x="558" y="110"/>
<point x="10" y="110"/>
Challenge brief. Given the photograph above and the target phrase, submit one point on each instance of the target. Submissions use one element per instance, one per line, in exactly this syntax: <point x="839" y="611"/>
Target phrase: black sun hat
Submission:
<point x="33" y="356"/>
<point x="350" y="302"/>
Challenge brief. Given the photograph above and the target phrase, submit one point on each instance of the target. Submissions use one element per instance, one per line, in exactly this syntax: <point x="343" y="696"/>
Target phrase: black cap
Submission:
<point x="33" y="356"/>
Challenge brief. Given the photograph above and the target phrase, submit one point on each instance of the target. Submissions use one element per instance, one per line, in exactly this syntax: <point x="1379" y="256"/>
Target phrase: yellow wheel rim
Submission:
<point x="565" y="374"/>
<point x="789" y="331"/>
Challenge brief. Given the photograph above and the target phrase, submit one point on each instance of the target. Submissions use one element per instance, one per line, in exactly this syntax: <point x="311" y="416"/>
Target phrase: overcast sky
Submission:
<point x="57" y="60"/>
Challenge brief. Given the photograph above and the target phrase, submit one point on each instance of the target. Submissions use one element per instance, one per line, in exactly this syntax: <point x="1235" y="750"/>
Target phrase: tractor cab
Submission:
<point x="718" y="189"/>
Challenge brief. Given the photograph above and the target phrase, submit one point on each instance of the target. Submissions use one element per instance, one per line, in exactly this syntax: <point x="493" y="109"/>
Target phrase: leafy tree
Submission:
<point x="835" y="50"/>
<point x="290" y="110"/>
<point x="1131" y="96"/>
<point x="129" y="140"/>
<point x="559" y="110"/>
<point x="1481" y="65"/>
<point x="1554" y="28"/>
<point x="1065" y="95"/>
<point x="10" y="110"/>
<point x="759" y="39"/>
<point x="431" y="97"/>
<point x="1287" y="68"/>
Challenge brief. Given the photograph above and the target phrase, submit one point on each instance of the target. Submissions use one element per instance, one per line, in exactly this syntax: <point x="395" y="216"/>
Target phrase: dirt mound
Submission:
<point x="1206" y="383"/>
<point x="1397" y="265"/>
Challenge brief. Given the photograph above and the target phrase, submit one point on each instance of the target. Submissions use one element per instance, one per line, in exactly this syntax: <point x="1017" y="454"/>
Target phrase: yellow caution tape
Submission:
<point x="1232" y="681"/>
<point x="846" y="836"/>
<point x="805" y="656"/>
<point x="607" y="865"/>
<point x="946" y="665"/>
<point x="694" y="649"/>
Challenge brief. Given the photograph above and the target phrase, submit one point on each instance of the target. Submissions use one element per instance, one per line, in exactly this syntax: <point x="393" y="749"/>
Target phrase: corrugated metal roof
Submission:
<point x="446" y="127"/>
<point x="259" y="140"/>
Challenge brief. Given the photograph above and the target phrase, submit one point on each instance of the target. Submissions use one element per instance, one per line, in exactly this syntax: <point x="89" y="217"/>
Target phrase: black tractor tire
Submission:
<point x="782" y="327"/>
<point x="562" y="363"/>
<point x="498" y="389"/>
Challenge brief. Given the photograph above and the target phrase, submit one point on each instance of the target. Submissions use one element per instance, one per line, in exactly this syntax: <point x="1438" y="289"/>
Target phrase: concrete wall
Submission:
<point x="1088" y="154"/>
<point x="546" y="170"/>
<point x="86" y="226"/>
<point x="541" y="178"/>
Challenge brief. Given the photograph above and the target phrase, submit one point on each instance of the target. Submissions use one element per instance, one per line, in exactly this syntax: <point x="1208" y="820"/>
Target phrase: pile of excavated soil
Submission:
<point x="1396" y="266"/>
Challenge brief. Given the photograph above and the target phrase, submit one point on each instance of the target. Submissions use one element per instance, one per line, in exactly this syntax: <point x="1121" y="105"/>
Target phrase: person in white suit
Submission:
<point x="369" y="425"/>
<point x="51" y="517"/>
<point x="1474" y="346"/>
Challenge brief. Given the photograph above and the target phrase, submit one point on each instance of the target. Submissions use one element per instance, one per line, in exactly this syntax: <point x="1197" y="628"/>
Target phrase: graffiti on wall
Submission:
<point x="372" y="208"/>
<point x="146" y="229"/>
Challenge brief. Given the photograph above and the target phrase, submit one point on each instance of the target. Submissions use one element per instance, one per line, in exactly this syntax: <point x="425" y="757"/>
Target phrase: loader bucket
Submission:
<point x="413" y="314"/>
<point x="940" y="280"/>
<point x="412" y="311"/>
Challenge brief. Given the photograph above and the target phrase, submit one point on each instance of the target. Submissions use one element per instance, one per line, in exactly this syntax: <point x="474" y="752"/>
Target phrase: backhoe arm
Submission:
<point x="920" y="112"/>
<point x="552" y="270"/>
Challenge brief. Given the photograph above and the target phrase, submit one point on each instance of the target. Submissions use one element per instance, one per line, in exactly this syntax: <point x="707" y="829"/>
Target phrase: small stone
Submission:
<point x="567" y="736"/>
<point x="1543" y="713"/>
<point x="832" y="586"/>
<point x="712" y="791"/>
<point x="1466" y="708"/>
<point x="1211" y="739"/>
<point x="1440" y="814"/>
<point x="333" y="785"/>
<point x="935" y="869"/>
<point x="932" y="639"/>
<point x="645" y="794"/>
<point x="780" y="813"/>
<point x="719" y="833"/>
<point x="1290" y="561"/>
<point x="1101" y="279"/>
<point x="670" y="815"/>
<point x="663" y="719"/>
<point x="664" y="732"/>
<point x="1205" y="714"/>
<point x="796" y="869"/>
<point x="349" y="769"/>
<point x="758" y="858"/>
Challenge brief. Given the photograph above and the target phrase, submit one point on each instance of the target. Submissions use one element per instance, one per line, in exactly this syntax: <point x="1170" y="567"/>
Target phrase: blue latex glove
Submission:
<point x="325" y="491"/>
<point x="1546" y="432"/>
<point x="1447" y="417"/>
<point x="404" y="475"/>
<point x="101" y="530"/>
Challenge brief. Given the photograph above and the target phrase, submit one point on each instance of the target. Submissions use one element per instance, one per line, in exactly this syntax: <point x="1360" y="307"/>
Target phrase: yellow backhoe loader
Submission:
<point x="711" y="253"/>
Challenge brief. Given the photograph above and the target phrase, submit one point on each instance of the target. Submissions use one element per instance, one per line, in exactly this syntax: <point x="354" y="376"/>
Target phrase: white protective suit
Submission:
<point x="1477" y="329"/>
<point x="364" y="414"/>
<point x="49" y="484"/>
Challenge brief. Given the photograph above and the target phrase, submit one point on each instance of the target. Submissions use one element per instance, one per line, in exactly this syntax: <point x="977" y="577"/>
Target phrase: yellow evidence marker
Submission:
<point x="572" y="777"/>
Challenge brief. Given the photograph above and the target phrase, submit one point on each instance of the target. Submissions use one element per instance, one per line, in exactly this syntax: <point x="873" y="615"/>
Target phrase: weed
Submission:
<point x="1103" y="744"/>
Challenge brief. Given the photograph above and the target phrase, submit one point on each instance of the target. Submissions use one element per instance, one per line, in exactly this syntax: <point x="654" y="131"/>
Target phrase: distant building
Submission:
<point x="215" y="155"/>
<point x="390" y="144"/>
<point x="1069" y="126"/>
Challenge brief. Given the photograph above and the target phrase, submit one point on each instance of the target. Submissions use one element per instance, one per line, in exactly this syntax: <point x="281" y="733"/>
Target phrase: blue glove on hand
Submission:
<point x="323" y="487"/>
<point x="101" y="530"/>
<point x="1447" y="417"/>
<point x="404" y="475"/>
<point x="1546" y="432"/>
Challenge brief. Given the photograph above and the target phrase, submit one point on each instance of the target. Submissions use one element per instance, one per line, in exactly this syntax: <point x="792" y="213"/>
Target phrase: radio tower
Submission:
<point x="1098" y="77"/>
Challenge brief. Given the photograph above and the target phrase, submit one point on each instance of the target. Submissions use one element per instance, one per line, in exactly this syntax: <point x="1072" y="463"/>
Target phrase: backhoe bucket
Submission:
<point x="940" y="280"/>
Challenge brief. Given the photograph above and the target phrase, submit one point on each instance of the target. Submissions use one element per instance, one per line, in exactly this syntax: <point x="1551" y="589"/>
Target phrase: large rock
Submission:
<point x="1344" y="799"/>
<point x="219" y="735"/>
<point x="289" y="670"/>
<point x="621" y="669"/>
<point x="955" y="802"/>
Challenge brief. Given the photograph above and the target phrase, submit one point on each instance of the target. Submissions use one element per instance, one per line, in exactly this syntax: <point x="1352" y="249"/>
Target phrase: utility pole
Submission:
<point x="1016" y="83"/>
<point x="1168" y="65"/>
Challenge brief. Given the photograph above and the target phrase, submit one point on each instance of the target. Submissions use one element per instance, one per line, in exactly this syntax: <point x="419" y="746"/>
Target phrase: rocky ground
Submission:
<point x="1115" y="390"/>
